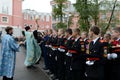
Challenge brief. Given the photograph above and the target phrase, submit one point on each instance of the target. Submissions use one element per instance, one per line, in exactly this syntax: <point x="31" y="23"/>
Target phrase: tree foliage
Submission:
<point x="88" y="10"/>
<point x="58" y="11"/>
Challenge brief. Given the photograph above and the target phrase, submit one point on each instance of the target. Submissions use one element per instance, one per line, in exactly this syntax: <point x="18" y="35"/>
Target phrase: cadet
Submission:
<point x="48" y="48"/>
<point x="68" y="56"/>
<point x="107" y="68"/>
<point x="53" y="58"/>
<point x="114" y="55"/>
<point x="78" y="56"/>
<point x="61" y="54"/>
<point x="95" y="67"/>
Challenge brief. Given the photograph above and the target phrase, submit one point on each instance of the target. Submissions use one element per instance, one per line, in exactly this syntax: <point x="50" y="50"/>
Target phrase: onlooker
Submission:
<point x="8" y="55"/>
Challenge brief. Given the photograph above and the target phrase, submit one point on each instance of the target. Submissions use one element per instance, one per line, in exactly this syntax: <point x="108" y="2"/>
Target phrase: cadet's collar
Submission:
<point x="69" y="37"/>
<point x="77" y="38"/>
<point x="94" y="41"/>
<point x="118" y="39"/>
<point x="50" y="35"/>
<point x="85" y="39"/>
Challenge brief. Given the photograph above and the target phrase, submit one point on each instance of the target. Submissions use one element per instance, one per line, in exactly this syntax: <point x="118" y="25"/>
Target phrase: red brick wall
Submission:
<point x="41" y="23"/>
<point x="17" y="13"/>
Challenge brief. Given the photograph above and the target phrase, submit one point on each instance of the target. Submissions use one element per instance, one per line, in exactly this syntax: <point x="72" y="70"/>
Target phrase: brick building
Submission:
<point x="11" y="14"/>
<point x="44" y="19"/>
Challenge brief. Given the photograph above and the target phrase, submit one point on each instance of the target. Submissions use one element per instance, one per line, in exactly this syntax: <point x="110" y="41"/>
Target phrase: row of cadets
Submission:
<point x="66" y="55"/>
<point x="113" y="56"/>
<point x="95" y="58"/>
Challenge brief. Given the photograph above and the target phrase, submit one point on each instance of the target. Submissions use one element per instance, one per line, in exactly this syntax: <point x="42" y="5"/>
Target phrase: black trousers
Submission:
<point x="108" y="70"/>
<point x="78" y="75"/>
<point x="5" y="78"/>
<point x="78" y="67"/>
<point x="115" y="71"/>
<point x="61" y="65"/>
<point x="68" y="72"/>
<point x="95" y="72"/>
<point x="49" y="61"/>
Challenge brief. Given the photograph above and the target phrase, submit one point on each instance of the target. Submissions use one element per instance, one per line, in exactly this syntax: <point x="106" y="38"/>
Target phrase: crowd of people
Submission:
<point x="68" y="54"/>
<point x="73" y="55"/>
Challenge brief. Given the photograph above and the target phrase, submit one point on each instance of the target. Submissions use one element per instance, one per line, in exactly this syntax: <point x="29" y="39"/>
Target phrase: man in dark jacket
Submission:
<point x="95" y="67"/>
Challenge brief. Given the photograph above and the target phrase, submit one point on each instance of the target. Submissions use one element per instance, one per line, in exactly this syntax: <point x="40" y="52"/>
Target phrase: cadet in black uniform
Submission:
<point x="114" y="55"/>
<point x="61" y="54"/>
<point x="54" y="53"/>
<point x="48" y="48"/>
<point x="95" y="66"/>
<point x="78" y="56"/>
<point x="107" y="67"/>
<point x="68" y="56"/>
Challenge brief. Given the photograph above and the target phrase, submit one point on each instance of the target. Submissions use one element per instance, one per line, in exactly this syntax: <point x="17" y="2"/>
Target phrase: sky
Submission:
<point x="39" y="5"/>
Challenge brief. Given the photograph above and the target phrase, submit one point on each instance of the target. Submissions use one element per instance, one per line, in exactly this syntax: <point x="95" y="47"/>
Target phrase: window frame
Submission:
<point x="5" y="21"/>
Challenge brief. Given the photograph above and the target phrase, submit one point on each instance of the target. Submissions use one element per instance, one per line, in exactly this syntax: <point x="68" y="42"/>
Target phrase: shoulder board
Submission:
<point x="101" y="41"/>
<point x="82" y="42"/>
<point x="89" y="40"/>
<point x="105" y="47"/>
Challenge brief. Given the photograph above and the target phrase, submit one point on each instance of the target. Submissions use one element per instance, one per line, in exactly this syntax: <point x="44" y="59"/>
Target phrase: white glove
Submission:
<point x="61" y="50"/>
<point x="114" y="55"/>
<point x="46" y="45"/>
<point x="90" y="63"/>
<point x="53" y="49"/>
<point x="69" y="54"/>
<point x="109" y="56"/>
<point x="50" y="46"/>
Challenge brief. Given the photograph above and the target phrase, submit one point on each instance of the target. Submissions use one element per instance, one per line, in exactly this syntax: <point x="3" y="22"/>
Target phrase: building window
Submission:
<point x="39" y="16"/>
<point x="47" y="18"/>
<point x="30" y="25"/>
<point x="42" y="18"/>
<point x="25" y="25"/>
<point x="5" y="10"/>
<point x="25" y="16"/>
<point x="5" y="19"/>
<point x="31" y="17"/>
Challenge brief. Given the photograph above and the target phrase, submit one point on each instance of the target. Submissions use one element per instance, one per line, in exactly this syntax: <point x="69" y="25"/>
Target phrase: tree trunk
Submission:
<point x="110" y="17"/>
<point x="61" y="13"/>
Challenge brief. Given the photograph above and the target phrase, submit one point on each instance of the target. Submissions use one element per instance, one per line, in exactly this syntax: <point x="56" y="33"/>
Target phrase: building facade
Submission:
<point x="30" y="16"/>
<point x="11" y="14"/>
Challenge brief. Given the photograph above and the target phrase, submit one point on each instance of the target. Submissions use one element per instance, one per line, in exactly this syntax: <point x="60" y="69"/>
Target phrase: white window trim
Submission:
<point x="4" y="21"/>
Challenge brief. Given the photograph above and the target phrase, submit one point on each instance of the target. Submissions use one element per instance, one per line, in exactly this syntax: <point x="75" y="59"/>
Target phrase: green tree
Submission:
<point x="58" y="13"/>
<point x="88" y="10"/>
